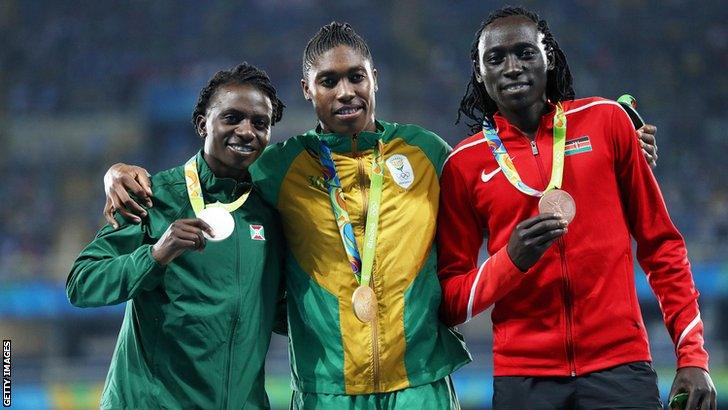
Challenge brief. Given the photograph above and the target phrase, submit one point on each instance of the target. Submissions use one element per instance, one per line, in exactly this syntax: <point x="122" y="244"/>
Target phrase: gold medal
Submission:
<point x="558" y="201"/>
<point x="364" y="301"/>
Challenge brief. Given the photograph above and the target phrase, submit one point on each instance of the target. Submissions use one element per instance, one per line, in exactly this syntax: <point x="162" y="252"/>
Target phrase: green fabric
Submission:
<point x="443" y="345"/>
<point x="196" y="332"/>
<point x="439" y="395"/>
<point x="314" y="343"/>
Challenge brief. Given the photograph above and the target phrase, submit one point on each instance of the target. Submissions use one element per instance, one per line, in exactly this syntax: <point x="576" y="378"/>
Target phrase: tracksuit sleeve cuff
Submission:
<point x="505" y="263"/>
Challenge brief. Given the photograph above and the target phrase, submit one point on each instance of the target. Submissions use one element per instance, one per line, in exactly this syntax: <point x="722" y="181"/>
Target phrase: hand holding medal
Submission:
<point x="553" y="200"/>
<point x="182" y="235"/>
<point x="556" y="207"/>
<point x="217" y="215"/>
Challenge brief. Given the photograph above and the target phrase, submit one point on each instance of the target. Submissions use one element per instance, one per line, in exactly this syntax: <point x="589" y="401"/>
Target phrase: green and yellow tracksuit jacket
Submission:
<point x="196" y="332"/>
<point x="331" y="351"/>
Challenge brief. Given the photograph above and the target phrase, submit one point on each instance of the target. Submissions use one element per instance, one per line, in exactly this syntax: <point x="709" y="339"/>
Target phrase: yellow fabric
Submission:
<point x="395" y="265"/>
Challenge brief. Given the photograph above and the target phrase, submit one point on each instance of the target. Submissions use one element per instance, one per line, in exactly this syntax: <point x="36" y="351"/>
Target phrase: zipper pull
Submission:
<point x="534" y="148"/>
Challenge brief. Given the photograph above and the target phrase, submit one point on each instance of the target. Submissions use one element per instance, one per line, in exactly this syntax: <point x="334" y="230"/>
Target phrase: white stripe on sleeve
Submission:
<point x="472" y="292"/>
<point x="687" y="330"/>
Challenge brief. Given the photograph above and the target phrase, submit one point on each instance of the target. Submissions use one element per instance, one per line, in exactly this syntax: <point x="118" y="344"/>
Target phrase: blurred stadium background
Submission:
<point x="84" y="84"/>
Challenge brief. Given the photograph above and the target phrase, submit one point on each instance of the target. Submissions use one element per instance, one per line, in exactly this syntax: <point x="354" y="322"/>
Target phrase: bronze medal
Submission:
<point x="364" y="301"/>
<point x="558" y="201"/>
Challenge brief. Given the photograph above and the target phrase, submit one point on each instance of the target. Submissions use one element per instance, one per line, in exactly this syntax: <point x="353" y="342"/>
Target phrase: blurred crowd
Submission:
<point x="84" y="84"/>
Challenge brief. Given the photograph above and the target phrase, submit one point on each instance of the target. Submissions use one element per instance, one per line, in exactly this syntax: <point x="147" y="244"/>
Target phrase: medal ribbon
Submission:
<point x="506" y="164"/>
<point x="362" y="267"/>
<point x="194" y="191"/>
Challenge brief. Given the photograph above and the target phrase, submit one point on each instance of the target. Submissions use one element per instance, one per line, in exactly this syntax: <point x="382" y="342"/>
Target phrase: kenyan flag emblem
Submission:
<point x="257" y="232"/>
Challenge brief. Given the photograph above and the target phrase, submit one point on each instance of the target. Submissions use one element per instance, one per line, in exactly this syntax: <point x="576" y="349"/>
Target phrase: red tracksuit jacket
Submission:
<point x="576" y="310"/>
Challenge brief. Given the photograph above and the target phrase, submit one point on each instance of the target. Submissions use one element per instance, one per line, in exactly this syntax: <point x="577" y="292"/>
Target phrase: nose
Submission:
<point x="512" y="68"/>
<point x="345" y="90"/>
<point x="245" y="130"/>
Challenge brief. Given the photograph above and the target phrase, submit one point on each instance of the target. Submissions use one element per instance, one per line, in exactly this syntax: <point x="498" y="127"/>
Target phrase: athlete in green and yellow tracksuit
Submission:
<point x="406" y="351"/>
<point x="196" y="331"/>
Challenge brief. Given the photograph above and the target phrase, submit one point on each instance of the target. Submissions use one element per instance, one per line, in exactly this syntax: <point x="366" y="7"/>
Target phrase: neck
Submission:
<point x="221" y="170"/>
<point x="370" y="127"/>
<point x="527" y="119"/>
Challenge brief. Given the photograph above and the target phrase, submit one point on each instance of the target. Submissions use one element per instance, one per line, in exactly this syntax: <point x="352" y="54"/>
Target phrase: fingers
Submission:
<point x="648" y="142"/>
<point x="549" y="227"/>
<point x="137" y="187"/>
<point x="145" y="182"/>
<point x="126" y="206"/>
<point x="190" y="231"/>
<point x="651" y="158"/>
<point x="648" y="129"/>
<point x="109" y="213"/>
<point x="528" y="223"/>
<point x="200" y="224"/>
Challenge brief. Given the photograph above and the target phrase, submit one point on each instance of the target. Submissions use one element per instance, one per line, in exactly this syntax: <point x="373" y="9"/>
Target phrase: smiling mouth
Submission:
<point x="242" y="149"/>
<point x="348" y="111"/>
<point x="515" y="87"/>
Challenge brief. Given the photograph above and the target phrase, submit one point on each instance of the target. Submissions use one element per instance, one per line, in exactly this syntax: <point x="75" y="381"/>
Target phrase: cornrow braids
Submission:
<point x="477" y="105"/>
<point x="329" y="36"/>
<point x="243" y="73"/>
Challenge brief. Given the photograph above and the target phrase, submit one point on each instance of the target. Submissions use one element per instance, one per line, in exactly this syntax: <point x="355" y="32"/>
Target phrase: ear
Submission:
<point x="305" y="89"/>
<point x="376" y="79"/>
<point x="200" y="126"/>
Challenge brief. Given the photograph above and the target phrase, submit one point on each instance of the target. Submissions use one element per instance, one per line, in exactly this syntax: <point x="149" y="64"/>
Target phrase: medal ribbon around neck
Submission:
<point x="194" y="191"/>
<point x="506" y="164"/>
<point x="361" y="266"/>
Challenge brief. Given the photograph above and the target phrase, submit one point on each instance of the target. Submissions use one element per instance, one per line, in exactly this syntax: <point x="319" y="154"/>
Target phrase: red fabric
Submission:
<point x="576" y="310"/>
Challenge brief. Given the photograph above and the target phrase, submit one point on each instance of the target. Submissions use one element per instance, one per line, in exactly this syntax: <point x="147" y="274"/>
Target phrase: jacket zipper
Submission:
<point x="364" y="188"/>
<point x="566" y="288"/>
<point x="233" y="328"/>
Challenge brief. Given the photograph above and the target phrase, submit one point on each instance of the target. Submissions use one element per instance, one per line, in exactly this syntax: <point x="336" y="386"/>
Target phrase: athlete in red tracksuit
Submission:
<point x="568" y="332"/>
<point x="576" y="310"/>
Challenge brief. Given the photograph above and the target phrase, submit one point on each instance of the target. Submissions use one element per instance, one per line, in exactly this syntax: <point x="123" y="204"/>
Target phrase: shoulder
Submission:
<point x="430" y="144"/>
<point x="467" y="147"/>
<point x="591" y="106"/>
<point x="169" y="194"/>
<point x="415" y="134"/>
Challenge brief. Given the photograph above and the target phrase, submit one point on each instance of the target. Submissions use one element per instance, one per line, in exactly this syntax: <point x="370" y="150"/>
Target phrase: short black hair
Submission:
<point x="243" y="73"/>
<point x="329" y="36"/>
<point x="477" y="105"/>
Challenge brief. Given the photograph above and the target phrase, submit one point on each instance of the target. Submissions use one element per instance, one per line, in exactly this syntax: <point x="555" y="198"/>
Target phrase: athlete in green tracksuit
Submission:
<point x="200" y="312"/>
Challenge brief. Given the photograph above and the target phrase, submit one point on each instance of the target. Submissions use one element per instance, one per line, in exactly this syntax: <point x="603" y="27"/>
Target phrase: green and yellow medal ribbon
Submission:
<point x="506" y="164"/>
<point x="361" y="265"/>
<point x="194" y="191"/>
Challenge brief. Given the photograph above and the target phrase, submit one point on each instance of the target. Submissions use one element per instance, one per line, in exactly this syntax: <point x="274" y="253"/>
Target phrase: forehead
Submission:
<point x="241" y="97"/>
<point x="340" y="59"/>
<point x="509" y="31"/>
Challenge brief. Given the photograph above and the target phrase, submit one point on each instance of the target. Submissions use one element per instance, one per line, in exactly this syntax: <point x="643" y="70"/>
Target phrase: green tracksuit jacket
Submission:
<point x="196" y="332"/>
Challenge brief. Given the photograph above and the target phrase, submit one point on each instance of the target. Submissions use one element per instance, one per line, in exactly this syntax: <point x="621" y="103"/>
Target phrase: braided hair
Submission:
<point x="329" y="36"/>
<point x="477" y="105"/>
<point x="243" y="73"/>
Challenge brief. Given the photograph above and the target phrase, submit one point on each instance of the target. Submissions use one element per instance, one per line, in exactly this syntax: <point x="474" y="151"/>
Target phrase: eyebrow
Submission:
<point x="329" y="73"/>
<point x="521" y="44"/>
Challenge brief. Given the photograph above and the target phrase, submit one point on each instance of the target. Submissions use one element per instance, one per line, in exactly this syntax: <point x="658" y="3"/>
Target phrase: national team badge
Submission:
<point x="577" y="146"/>
<point x="257" y="232"/>
<point x="401" y="170"/>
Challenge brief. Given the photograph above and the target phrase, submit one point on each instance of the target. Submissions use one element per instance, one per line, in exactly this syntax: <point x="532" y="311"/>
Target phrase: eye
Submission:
<point x="528" y="53"/>
<point x="261" y="124"/>
<point x="328" y="82"/>
<point x="230" y="118"/>
<point x="494" y="59"/>
<point x="356" y="78"/>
